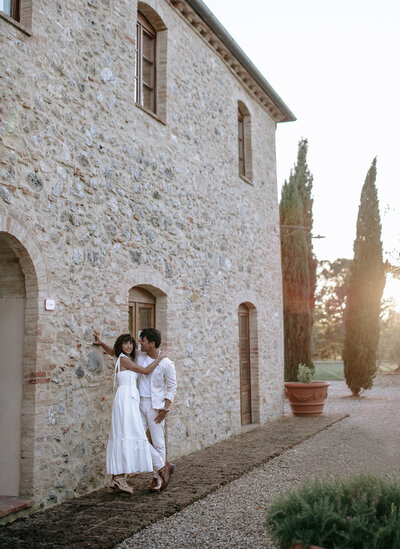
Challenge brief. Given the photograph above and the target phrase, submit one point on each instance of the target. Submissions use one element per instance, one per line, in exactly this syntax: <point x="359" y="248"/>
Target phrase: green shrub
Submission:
<point x="305" y="374"/>
<point x="361" y="512"/>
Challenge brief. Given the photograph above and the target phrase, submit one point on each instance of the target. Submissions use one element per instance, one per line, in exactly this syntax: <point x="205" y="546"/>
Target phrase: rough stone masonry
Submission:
<point x="98" y="196"/>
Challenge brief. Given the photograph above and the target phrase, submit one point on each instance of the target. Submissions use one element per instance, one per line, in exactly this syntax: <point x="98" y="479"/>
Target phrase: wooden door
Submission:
<point x="244" y="360"/>
<point x="142" y="311"/>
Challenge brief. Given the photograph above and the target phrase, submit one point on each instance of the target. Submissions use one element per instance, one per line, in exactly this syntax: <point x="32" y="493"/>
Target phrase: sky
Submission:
<point x="336" y="66"/>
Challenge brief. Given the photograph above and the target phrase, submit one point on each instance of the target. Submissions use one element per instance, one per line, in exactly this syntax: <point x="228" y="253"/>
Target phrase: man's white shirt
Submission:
<point x="160" y="384"/>
<point x="144" y="380"/>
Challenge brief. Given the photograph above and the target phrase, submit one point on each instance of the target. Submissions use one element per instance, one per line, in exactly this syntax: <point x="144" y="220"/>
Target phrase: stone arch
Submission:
<point x="243" y="108"/>
<point x="152" y="13"/>
<point x="253" y="357"/>
<point x="153" y="282"/>
<point x="28" y="249"/>
<point x="21" y="248"/>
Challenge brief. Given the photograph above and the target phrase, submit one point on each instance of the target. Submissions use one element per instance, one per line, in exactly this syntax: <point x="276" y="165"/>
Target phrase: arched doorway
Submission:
<point x="244" y="361"/>
<point x="248" y="362"/>
<point x="23" y="275"/>
<point x="12" y="322"/>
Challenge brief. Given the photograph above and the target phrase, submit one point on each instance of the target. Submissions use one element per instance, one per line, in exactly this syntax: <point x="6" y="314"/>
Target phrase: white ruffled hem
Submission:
<point x="128" y="456"/>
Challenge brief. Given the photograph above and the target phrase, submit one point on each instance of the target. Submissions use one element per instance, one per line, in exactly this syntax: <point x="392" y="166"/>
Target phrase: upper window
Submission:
<point x="10" y="8"/>
<point x="151" y="62"/>
<point x="241" y="143"/>
<point x="244" y="142"/>
<point x="146" y="93"/>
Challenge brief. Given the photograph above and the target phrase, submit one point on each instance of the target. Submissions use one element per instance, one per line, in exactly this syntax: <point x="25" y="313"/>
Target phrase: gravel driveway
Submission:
<point x="232" y="517"/>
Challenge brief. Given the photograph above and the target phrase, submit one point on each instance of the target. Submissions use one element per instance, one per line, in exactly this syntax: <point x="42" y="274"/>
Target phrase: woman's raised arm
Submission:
<point x="128" y="364"/>
<point x="106" y="348"/>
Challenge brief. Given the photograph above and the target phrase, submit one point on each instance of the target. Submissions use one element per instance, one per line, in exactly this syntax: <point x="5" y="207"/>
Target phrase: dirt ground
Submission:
<point x="367" y="440"/>
<point x="103" y="518"/>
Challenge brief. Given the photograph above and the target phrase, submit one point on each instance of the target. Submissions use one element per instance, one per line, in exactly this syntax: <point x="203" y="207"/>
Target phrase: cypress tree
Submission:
<point x="298" y="264"/>
<point x="367" y="280"/>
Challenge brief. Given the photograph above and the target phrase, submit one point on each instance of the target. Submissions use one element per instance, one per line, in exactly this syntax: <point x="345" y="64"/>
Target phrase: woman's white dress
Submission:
<point x="128" y="449"/>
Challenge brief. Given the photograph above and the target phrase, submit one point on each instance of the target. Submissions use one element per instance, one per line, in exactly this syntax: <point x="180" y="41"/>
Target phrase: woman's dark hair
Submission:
<point x="124" y="338"/>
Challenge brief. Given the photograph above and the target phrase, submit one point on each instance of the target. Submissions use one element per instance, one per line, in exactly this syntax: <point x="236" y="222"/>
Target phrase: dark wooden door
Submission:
<point x="244" y="359"/>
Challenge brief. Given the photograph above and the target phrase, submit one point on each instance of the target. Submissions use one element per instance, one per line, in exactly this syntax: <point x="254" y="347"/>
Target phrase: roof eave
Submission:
<point x="209" y="18"/>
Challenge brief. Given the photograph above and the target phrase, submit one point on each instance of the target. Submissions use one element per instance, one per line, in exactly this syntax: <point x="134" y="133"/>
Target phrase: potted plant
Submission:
<point x="361" y="511"/>
<point x="306" y="397"/>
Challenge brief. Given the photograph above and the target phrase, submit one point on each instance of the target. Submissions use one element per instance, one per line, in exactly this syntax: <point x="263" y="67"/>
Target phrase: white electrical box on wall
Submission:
<point x="49" y="305"/>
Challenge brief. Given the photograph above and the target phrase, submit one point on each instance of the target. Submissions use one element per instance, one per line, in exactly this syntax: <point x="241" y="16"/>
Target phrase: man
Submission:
<point x="157" y="392"/>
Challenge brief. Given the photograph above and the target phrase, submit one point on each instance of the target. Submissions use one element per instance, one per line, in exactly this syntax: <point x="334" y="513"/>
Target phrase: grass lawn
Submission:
<point x="331" y="370"/>
<point x="326" y="370"/>
<point x="387" y="367"/>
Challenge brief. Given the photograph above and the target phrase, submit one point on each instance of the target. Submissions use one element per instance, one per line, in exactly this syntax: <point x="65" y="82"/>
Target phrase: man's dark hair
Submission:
<point x="124" y="338"/>
<point x="151" y="334"/>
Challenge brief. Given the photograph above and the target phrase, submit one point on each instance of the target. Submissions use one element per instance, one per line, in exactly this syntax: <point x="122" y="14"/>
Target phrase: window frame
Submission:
<point x="245" y="153"/>
<point x="140" y="298"/>
<point x="21" y="16"/>
<point x="144" y="26"/>
<point x="241" y="145"/>
<point x="15" y="10"/>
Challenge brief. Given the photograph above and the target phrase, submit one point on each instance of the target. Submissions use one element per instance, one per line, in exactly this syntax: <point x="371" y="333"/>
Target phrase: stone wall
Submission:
<point x="108" y="197"/>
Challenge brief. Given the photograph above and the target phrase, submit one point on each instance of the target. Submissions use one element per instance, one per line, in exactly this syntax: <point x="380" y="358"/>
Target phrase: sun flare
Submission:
<point x="392" y="291"/>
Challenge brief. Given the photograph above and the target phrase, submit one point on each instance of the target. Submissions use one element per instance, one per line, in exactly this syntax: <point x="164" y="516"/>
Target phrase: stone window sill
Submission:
<point x="15" y="24"/>
<point x="152" y="114"/>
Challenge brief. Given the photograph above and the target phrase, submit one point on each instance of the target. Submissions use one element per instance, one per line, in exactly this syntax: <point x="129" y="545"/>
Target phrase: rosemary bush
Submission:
<point x="305" y="374"/>
<point x="361" y="512"/>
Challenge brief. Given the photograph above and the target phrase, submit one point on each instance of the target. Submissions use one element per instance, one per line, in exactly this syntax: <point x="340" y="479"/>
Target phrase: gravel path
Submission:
<point x="232" y="517"/>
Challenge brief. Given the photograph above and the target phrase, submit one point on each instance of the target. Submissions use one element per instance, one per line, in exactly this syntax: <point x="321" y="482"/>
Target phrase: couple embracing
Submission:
<point x="146" y="389"/>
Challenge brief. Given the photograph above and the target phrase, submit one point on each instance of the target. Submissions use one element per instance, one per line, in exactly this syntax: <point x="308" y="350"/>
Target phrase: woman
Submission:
<point x="128" y="450"/>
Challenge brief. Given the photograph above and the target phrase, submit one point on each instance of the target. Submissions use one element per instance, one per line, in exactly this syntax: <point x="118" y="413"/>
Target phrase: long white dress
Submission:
<point x="128" y="450"/>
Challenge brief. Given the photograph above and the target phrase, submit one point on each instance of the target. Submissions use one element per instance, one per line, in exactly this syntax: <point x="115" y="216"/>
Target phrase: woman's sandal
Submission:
<point x="121" y="484"/>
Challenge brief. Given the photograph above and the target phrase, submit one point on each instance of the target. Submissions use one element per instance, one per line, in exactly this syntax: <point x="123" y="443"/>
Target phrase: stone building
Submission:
<point x="137" y="187"/>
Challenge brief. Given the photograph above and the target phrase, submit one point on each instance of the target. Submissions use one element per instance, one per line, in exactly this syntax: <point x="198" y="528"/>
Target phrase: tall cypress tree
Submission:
<point x="367" y="280"/>
<point x="298" y="264"/>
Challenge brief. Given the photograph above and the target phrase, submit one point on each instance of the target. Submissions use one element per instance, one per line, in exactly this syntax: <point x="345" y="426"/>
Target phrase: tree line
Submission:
<point x="339" y="316"/>
<point x="330" y="301"/>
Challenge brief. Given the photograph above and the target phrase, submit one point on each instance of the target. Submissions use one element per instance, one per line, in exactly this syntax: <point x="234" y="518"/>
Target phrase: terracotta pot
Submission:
<point x="306" y="399"/>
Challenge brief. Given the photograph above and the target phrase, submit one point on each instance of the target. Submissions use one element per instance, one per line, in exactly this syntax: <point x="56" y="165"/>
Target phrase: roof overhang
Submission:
<point x="207" y="25"/>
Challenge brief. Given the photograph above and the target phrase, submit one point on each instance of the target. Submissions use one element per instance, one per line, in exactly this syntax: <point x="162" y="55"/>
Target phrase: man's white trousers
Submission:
<point x="157" y="449"/>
